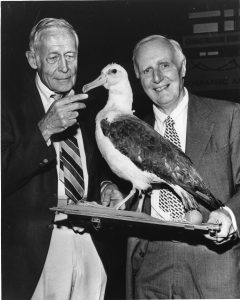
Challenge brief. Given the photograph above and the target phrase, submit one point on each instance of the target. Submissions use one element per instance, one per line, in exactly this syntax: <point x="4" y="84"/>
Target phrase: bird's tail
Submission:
<point x="207" y="198"/>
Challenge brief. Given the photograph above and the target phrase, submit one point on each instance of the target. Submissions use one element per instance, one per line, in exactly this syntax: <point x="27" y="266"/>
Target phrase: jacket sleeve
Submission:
<point x="234" y="202"/>
<point x="24" y="151"/>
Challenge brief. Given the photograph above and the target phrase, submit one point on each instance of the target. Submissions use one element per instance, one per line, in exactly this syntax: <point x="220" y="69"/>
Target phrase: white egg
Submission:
<point x="194" y="217"/>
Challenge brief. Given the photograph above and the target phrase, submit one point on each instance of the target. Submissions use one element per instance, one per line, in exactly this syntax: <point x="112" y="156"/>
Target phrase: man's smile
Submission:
<point x="64" y="79"/>
<point x="161" y="88"/>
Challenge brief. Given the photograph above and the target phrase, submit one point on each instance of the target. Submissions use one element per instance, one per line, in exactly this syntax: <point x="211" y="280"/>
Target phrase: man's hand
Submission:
<point x="111" y="196"/>
<point x="61" y="115"/>
<point x="222" y="217"/>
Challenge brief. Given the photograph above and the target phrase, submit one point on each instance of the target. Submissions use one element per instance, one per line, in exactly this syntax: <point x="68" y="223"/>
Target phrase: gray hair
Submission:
<point x="176" y="46"/>
<point x="45" y="24"/>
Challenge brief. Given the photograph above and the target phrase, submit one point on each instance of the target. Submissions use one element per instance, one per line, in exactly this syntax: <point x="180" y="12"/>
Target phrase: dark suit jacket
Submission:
<point x="213" y="144"/>
<point x="29" y="189"/>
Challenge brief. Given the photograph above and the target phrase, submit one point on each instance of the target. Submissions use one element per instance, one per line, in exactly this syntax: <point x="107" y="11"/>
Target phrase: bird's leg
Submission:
<point x="131" y="194"/>
<point x="140" y="201"/>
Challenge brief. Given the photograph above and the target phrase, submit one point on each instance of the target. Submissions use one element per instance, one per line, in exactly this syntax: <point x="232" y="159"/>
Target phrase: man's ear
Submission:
<point x="31" y="57"/>
<point x="183" y="68"/>
<point x="136" y="71"/>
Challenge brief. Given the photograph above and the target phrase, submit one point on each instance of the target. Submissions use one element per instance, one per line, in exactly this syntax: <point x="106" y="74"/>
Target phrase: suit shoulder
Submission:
<point x="225" y="108"/>
<point x="218" y="106"/>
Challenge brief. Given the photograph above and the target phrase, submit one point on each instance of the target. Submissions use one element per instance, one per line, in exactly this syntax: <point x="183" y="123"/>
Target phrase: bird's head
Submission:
<point x="111" y="75"/>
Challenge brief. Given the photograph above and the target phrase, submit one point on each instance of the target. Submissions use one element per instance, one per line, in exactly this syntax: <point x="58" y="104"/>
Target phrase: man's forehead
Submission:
<point x="52" y="33"/>
<point x="153" y="48"/>
<point x="157" y="45"/>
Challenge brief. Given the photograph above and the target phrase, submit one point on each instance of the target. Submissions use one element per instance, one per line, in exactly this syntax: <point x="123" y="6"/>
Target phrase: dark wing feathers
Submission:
<point x="145" y="147"/>
<point x="153" y="153"/>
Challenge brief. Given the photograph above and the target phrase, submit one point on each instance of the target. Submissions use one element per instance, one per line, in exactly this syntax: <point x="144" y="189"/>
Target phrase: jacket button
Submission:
<point x="50" y="227"/>
<point x="45" y="161"/>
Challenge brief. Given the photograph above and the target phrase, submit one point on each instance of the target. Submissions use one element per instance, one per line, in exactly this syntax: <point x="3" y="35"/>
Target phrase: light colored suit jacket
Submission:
<point x="213" y="145"/>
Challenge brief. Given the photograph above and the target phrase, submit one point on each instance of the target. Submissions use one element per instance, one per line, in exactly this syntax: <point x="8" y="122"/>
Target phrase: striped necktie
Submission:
<point x="167" y="203"/>
<point x="71" y="172"/>
<point x="71" y="165"/>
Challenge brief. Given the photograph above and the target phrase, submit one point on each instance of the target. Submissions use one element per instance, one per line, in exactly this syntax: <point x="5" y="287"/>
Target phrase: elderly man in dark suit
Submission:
<point x="43" y="132"/>
<point x="189" y="265"/>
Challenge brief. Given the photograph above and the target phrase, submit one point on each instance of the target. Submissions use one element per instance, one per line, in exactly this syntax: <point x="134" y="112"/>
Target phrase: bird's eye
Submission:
<point x="114" y="71"/>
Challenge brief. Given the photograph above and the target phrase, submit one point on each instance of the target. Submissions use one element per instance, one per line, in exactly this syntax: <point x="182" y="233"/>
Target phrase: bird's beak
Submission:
<point x="101" y="80"/>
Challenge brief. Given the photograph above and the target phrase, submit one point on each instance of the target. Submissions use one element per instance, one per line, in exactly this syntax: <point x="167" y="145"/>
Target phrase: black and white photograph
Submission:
<point x="120" y="149"/>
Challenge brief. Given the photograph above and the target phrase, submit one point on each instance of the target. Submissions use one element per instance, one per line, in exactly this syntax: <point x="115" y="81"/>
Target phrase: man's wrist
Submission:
<point x="45" y="133"/>
<point x="232" y="216"/>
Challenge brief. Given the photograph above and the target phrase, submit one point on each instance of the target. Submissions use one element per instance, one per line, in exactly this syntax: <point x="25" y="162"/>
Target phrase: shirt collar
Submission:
<point x="43" y="89"/>
<point x="161" y="117"/>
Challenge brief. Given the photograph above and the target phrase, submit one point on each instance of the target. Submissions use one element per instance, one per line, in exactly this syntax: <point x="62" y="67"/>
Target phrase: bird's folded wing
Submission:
<point x="145" y="147"/>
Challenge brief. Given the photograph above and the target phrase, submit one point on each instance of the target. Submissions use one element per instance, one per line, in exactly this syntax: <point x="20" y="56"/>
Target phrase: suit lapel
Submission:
<point x="199" y="128"/>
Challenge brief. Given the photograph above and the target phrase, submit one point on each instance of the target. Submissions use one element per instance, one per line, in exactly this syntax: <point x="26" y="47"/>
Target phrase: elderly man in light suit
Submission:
<point x="189" y="265"/>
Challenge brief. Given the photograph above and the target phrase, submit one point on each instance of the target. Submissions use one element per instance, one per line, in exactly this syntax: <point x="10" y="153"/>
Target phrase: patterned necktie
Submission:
<point x="71" y="165"/>
<point x="169" y="204"/>
<point x="71" y="172"/>
<point x="171" y="133"/>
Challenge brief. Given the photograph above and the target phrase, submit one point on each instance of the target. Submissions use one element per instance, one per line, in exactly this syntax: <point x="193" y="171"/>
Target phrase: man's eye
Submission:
<point x="52" y="59"/>
<point x="70" y="57"/>
<point x="147" y="71"/>
<point x="164" y="65"/>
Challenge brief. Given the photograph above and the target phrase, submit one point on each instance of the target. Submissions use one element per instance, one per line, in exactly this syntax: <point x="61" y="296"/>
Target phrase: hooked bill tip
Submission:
<point x="85" y="88"/>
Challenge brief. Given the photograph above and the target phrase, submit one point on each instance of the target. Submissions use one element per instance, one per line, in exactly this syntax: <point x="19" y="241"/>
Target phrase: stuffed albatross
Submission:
<point x="136" y="152"/>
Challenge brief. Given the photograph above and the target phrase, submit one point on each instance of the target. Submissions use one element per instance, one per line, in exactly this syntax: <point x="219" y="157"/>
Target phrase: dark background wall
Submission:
<point x="108" y="31"/>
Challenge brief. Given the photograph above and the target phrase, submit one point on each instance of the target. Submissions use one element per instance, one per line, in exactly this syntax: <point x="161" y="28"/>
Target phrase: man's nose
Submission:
<point x="157" y="75"/>
<point x="63" y="65"/>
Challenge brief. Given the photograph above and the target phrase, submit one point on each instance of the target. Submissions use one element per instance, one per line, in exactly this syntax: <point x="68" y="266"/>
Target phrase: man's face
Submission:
<point x="56" y="58"/>
<point x="160" y="73"/>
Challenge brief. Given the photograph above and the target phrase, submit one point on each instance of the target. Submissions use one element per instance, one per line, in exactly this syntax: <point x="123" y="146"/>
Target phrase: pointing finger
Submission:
<point x="74" y="98"/>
